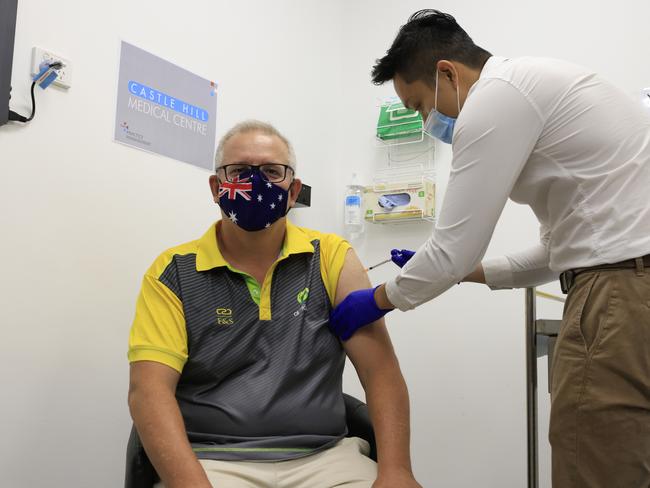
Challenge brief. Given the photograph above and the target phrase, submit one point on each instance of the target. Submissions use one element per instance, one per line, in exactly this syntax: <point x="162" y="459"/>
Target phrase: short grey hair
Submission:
<point x="253" y="125"/>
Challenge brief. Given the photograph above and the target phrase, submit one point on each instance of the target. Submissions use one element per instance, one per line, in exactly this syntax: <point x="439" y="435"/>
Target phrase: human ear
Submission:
<point x="214" y="187"/>
<point x="294" y="191"/>
<point x="448" y="71"/>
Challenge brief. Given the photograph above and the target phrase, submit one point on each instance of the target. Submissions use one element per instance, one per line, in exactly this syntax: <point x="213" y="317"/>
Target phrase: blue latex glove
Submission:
<point x="401" y="256"/>
<point x="356" y="310"/>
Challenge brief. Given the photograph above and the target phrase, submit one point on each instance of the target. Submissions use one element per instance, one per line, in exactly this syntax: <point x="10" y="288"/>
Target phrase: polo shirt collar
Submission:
<point x="209" y="256"/>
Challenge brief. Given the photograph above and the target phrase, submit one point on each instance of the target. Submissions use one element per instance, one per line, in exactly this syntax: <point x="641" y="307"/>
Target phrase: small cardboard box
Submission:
<point x="415" y="200"/>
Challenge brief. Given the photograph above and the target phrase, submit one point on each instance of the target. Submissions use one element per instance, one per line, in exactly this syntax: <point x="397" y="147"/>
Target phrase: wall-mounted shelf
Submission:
<point x="403" y="184"/>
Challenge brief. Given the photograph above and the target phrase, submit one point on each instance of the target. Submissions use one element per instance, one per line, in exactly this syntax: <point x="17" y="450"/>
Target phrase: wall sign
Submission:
<point x="165" y="109"/>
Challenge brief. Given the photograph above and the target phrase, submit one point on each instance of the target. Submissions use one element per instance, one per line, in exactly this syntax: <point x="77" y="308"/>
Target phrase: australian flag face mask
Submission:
<point x="252" y="203"/>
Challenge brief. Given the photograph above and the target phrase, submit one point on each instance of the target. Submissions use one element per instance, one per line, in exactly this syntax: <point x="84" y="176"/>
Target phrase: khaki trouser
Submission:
<point x="345" y="465"/>
<point x="600" y="399"/>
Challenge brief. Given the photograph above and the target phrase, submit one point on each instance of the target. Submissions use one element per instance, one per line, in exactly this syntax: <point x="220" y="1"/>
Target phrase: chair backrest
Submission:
<point x="140" y="473"/>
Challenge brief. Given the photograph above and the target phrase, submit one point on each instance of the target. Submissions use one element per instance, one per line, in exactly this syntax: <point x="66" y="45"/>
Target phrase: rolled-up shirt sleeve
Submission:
<point x="494" y="136"/>
<point x="522" y="269"/>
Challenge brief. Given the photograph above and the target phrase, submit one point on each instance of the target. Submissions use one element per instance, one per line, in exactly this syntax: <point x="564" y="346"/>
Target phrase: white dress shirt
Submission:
<point x="558" y="138"/>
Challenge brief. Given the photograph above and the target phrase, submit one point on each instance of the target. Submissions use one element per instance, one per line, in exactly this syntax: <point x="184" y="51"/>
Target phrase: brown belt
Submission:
<point x="568" y="277"/>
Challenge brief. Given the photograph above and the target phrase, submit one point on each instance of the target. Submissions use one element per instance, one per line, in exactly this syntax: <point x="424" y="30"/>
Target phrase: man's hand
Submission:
<point x="401" y="256"/>
<point x="355" y="311"/>
<point x="396" y="479"/>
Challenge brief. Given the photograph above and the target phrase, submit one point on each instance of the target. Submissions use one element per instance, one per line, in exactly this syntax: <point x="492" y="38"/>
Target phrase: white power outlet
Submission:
<point x="64" y="78"/>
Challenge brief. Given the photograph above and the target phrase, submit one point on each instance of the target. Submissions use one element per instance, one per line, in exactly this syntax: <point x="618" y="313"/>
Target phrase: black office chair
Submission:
<point x="140" y="473"/>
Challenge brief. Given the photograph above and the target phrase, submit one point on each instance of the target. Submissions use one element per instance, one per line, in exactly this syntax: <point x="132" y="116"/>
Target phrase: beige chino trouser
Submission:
<point x="345" y="465"/>
<point x="600" y="398"/>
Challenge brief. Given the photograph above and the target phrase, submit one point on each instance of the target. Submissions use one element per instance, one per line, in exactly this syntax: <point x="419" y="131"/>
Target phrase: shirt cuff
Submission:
<point x="168" y="358"/>
<point x="498" y="273"/>
<point x="396" y="297"/>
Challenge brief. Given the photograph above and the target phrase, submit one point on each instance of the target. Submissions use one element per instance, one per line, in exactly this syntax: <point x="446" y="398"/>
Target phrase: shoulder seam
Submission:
<point x="518" y="90"/>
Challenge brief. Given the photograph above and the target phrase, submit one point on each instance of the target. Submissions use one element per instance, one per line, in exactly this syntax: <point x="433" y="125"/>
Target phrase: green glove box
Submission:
<point x="397" y="122"/>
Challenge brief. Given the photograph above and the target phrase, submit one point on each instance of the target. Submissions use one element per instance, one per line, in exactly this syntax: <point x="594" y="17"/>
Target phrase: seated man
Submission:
<point x="232" y="360"/>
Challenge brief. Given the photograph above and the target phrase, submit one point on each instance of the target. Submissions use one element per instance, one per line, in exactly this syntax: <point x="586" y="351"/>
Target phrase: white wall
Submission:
<point x="82" y="217"/>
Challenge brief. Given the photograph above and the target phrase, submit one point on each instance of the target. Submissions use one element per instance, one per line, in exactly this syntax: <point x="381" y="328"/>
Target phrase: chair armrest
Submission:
<point x="139" y="473"/>
<point x="357" y="418"/>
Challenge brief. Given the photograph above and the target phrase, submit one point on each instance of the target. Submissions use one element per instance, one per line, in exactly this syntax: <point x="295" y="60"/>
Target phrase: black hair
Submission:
<point x="427" y="37"/>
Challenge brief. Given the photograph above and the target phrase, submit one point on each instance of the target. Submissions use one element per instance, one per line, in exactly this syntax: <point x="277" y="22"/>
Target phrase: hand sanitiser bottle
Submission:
<point x="353" y="217"/>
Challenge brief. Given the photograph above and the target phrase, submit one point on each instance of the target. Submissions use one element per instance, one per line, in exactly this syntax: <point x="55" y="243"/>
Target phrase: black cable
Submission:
<point x="33" y="102"/>
<point x="21" y="118"/>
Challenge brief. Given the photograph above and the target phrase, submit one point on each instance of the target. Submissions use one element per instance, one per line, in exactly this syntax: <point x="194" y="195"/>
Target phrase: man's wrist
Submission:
<point x="394" y="474"/>
<point x="381" y="298"/>
<point x="403" y="467"/>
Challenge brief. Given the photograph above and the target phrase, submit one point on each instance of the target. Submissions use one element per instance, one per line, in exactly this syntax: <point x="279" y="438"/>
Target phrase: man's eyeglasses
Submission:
<point x="271" y="172"/>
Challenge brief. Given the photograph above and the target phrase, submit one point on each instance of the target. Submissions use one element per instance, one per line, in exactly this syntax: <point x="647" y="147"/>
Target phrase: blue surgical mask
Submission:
<point x="439" y="125"/>
<point x="251" y="202"/>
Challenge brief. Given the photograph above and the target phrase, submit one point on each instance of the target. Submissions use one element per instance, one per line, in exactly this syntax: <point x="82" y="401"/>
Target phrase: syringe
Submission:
<point x="378" y="264"/>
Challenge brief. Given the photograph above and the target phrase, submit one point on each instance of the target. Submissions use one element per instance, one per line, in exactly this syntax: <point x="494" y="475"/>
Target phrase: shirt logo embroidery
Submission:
<point x="224" y="316"/>
<point x="302" y="296"/>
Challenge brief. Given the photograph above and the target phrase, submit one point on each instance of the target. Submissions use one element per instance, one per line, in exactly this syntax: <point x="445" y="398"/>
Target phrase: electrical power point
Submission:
<point x="64" y="77"/>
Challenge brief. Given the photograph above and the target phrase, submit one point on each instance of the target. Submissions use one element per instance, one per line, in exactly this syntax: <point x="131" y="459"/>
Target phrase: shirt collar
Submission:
<point x="491" y="64"/>
<point x="209" y="256"/>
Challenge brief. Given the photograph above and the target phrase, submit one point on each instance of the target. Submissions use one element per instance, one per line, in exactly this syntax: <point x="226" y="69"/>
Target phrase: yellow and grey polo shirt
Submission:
<point x="261" y="374"/>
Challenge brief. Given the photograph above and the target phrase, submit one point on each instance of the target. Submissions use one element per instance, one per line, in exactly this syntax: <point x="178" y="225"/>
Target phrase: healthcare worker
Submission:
<point x="576" y="149"/>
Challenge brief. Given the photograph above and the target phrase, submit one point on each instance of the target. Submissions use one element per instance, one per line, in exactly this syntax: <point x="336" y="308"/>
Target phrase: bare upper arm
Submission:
<point x="370" y="346"/>
<point x="152" y="374"/>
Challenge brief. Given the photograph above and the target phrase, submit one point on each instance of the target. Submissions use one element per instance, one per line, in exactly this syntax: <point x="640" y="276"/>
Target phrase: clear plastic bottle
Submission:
<point x="353" y="217"/>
